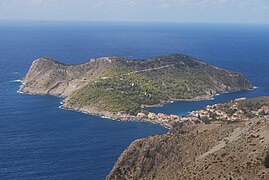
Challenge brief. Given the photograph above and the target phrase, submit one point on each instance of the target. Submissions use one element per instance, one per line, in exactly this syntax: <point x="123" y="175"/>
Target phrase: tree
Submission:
<point x="206" y="120"/>
<point x="213" y="115"/>
<point x="231" y="111"/>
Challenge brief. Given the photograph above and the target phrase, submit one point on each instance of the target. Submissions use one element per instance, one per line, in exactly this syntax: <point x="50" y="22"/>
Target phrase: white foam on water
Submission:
<point x="254" y="87"/>
<point x="20" y="92"/>
<point x="16" y="73"/>
<point x="17" y="81"/>
<point x="105" y="117"/>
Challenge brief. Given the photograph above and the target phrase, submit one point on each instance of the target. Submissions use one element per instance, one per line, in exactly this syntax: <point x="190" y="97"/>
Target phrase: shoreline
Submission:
<point x="199" y="98"/>
<point x="115" y="117"/>
<point x="101" y="115"/>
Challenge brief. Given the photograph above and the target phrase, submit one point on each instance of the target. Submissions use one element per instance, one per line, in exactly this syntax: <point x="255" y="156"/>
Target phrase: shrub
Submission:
<point x="266" y="161"/>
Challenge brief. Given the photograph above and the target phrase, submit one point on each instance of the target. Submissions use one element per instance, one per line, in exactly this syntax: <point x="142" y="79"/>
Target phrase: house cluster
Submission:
<point x="230" y="111"/>
<point x="227" y="111"/>
<point x="124" y="115"/>
<point x="264" y="109"/>
<point x="160" y="116"/>
<point x="214" y="112"/>
<point x="165" y="118"/>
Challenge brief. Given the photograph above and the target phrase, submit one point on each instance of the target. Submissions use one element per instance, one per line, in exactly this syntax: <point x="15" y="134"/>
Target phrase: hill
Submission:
<point x="230" y="151"/>
<point x="106" y="86"/>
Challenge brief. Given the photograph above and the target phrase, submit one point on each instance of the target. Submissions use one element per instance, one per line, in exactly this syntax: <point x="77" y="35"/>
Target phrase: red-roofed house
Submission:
<point x="265" y="109"/>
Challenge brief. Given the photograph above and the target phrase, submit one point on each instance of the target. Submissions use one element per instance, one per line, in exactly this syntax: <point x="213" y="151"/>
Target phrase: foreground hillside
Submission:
<point x="237" y="150"/>
<point x="106" y="86"/>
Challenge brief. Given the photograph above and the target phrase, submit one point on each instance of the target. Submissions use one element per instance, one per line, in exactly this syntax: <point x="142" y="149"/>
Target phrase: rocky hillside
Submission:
<point x="47" y="76"/>
<point x="114" y="84"/>
<point x="233" y="151"/>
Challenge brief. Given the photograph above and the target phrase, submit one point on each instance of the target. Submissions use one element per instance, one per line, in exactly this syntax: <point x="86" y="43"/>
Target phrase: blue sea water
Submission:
<point x="40" y="141"/>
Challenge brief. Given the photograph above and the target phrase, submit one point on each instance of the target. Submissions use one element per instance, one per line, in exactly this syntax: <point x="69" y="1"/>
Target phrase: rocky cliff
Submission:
<point x="235" y="151"/>
<point x="47" y="76"/>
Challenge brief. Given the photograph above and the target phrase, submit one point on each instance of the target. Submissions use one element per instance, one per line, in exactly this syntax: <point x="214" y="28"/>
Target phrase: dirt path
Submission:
<point x="151" y="69"/>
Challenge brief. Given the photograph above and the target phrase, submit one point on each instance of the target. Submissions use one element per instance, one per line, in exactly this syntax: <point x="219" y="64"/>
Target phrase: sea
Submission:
<point x="38" y="140"/>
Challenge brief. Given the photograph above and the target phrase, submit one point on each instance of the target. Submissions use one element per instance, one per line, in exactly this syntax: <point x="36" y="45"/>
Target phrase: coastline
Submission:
<point x="116" y="117"/>
<point x="198" y="98"/>
<point x="111" y="116"/>
<point x="102" y="114"/>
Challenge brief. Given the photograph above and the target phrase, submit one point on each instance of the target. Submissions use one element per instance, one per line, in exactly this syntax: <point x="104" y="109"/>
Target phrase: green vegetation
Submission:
<point x="231" y="111"/>
<point x="254" y="104"/>
<point x="206" y="120"/>
<point x="233" y="122"/>
<point x="131" y="84"/>
<point x="119" y="93"/>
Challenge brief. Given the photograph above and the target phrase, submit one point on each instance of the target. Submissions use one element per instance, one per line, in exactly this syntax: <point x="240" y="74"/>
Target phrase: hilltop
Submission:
<point x="219" y="150"/>
<point x="111" y="85"/>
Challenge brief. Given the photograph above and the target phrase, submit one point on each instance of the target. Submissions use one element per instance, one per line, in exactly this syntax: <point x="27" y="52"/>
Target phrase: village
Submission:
<point x="231" y="112"/>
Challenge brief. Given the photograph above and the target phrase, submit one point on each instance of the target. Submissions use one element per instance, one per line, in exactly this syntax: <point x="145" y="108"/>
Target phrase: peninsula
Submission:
<point x="120" y="88"/>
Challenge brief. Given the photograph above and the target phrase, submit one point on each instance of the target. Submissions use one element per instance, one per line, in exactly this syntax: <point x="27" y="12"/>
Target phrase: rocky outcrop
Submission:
<point x="237" y="151"/>
<point x="47" y="76"/>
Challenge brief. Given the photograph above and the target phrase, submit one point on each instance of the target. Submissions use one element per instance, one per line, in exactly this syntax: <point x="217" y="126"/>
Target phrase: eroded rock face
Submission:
<point x="231" y="151"/>
<point x="47" y="76"/>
